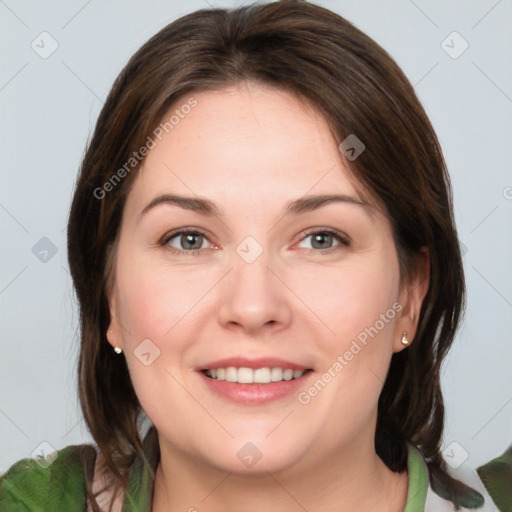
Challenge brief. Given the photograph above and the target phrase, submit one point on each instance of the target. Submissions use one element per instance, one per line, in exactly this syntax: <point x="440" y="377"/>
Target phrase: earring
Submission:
<point x="405" y="341"/>
<point x="117" y="350"/>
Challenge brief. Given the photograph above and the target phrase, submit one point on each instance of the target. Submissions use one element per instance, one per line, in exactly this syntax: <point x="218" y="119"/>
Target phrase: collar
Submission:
<point x="141" y="479"/>
<point x="417" y="473"/>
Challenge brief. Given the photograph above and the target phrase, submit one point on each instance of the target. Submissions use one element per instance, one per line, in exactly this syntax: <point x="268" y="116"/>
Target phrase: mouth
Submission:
<point x="254" y="381"/>
<point x="245" y="375"/>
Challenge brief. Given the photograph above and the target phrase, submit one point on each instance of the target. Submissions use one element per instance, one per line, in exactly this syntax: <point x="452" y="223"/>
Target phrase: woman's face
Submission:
<point x="270" y="277"/>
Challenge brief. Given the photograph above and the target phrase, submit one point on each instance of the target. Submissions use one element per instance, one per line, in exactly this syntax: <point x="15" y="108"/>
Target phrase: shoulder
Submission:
<point x="496" y="476"/>
<point x="55" y="482"/>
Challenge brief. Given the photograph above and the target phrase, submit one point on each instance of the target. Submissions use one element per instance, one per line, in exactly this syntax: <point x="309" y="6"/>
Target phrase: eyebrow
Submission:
<point x="304" y="204"/>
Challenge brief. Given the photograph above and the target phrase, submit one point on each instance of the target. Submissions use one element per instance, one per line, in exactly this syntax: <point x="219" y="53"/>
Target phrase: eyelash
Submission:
<point x="343" y="240"/>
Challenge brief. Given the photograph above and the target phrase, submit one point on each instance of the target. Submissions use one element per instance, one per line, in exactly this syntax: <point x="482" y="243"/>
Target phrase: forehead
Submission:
<point x="243" y="144"/>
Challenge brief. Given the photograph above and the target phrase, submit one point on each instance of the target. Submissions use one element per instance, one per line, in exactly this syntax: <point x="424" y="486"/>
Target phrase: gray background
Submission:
<point x="49" y="107"/>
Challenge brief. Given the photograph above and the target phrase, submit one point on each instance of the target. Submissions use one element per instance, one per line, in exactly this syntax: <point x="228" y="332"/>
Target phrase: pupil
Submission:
<point x="189" y="239"/>
<point x="322" y="239"/>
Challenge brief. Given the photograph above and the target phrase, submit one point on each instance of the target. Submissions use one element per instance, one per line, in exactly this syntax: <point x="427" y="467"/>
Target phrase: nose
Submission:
<point x="253" y="298"/>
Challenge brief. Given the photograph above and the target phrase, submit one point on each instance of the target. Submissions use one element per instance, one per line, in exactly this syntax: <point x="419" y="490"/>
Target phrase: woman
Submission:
<point x="263" y="248"/>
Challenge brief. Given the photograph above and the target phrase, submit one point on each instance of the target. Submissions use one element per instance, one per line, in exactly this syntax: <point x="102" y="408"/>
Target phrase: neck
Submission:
<point x="353" y="479"/>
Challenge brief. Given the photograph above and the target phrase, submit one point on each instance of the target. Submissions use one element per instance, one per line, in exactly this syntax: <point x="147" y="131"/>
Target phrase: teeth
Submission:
<point x="260" y="376"/>
<point x="245" y="375"/>
<point x="276" y="374"/>
<point x="250" y="376"/>
<point x="231" y="374"/>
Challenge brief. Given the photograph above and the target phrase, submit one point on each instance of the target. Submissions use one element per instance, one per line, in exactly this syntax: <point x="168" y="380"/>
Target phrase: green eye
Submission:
<point x="326" y="239"/>
<point x="184" y="242"/>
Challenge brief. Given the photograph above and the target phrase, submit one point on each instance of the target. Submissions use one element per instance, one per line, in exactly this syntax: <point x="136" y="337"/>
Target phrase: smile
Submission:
<point x="245" y="375"/>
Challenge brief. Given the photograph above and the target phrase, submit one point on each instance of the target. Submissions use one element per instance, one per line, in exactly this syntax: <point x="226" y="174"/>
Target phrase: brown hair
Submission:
<point x="317" y="55"/>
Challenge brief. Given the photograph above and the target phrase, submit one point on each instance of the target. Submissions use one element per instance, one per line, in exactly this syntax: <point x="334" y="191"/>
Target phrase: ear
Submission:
<point x="411" y="300"/>
<point x="114" y="331"/>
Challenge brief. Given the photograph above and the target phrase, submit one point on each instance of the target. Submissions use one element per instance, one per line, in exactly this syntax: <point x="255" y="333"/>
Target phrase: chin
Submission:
<point x="255" y="454"/>
<point x="249" y="460"/>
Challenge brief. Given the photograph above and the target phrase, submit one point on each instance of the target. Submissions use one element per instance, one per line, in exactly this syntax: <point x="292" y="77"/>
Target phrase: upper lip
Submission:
<point x="260" y="362"/>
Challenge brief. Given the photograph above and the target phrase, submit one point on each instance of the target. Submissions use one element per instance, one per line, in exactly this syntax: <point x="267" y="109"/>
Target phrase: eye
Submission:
<point x="191" y="242"/>
<point x="185" y="242"/>
<point x="325" y="239"/>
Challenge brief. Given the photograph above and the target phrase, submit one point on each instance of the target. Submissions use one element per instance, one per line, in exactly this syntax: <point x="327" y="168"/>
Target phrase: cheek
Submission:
<point x="358" y="307"/>
<point x="349" y="300"/>
<point x="156" y="308"/>
<point x="154" y="299"/>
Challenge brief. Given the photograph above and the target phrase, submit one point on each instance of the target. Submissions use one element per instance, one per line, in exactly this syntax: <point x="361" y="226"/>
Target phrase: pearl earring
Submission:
<point x="117" y="350"/>
<point x="405" y="341"/>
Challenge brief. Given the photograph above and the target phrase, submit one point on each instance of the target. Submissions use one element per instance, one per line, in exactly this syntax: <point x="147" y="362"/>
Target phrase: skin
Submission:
<point x="252" y="149"/>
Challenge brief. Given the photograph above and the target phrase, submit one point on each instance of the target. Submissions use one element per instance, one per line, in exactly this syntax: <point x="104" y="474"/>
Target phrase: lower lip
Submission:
<point x="254" y="394"/>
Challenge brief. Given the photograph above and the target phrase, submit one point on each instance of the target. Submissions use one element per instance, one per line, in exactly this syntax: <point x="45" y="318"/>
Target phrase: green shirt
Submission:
<point x="60" y="487"/>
